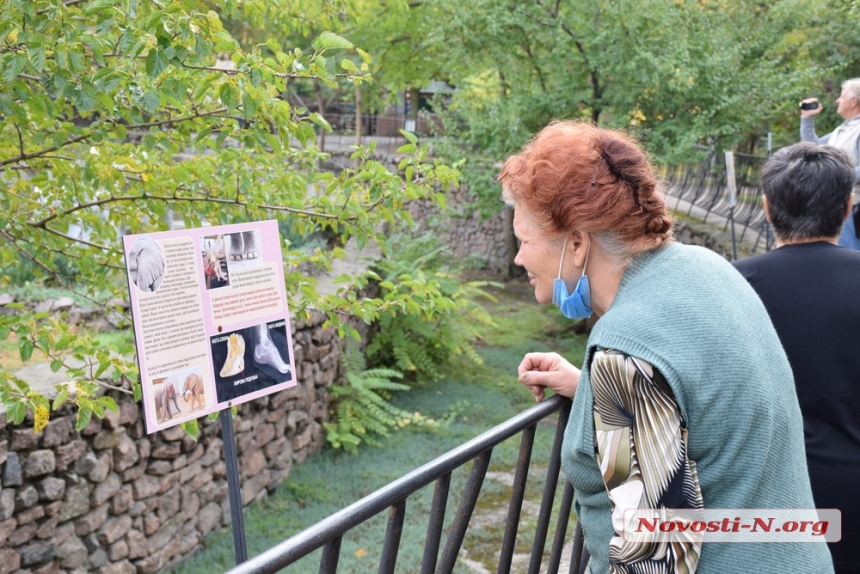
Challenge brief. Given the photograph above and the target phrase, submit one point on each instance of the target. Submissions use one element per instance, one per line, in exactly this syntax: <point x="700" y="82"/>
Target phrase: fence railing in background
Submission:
<point x="328" y="533"/>
<point x="703" y="185"/>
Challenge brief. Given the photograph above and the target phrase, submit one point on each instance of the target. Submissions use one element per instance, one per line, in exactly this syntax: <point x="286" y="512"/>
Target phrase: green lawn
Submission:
<point x="469" y="402"/>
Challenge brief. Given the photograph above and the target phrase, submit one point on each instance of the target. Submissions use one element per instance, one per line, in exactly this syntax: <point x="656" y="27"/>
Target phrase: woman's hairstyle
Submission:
<point x="573" y="175"/>
<point x="807" y="188"/>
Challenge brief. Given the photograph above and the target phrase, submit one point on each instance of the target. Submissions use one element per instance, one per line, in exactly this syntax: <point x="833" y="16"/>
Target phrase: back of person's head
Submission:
<point x="574" y="175"/>
<point x="807" y="188"/>
<point x="852" y="86"/>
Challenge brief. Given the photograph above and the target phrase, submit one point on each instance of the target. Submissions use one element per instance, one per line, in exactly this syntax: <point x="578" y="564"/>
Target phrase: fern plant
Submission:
<point x="363" y="411"/>
<point x="440" y="321"/>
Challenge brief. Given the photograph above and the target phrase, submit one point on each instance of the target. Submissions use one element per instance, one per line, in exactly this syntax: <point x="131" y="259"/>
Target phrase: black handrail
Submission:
<point x="328" y="532"/>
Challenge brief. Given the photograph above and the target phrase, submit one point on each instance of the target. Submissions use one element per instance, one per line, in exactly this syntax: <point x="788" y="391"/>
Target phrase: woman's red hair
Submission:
<point x="573" y="175"/>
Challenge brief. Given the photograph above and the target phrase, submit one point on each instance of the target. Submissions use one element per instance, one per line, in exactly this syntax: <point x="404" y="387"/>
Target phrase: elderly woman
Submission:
<point x="685" y="399"/>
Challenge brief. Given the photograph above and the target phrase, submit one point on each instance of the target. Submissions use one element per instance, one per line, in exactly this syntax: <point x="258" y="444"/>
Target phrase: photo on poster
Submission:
<point x="179" y="394"/>
<point x="243" y="249"/>
<point x="145" y="264"/>
<point x="214" y="254"/>
<point x="251" y="359"/>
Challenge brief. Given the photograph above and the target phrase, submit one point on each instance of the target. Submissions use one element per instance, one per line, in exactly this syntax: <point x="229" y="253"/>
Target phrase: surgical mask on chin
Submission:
<point x="576" y="305"/>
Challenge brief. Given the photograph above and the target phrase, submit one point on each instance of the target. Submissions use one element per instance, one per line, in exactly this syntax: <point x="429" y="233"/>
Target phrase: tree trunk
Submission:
<point x="359" y="126"/>
<point x="414" y="97"/>
<point x="321" y="109"/>
<point x="513" y="270"/>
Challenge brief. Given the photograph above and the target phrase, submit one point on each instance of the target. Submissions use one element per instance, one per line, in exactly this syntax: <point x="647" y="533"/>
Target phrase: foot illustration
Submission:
<point x="235" y="362"/>
<point x="265" y="353"/>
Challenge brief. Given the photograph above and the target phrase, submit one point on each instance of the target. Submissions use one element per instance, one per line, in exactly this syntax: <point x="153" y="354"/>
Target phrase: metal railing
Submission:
<point x="328" y="533"/>
<point x="704" y="185"/>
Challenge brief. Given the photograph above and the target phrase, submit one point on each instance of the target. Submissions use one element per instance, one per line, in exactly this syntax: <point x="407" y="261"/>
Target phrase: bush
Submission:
<point x="442" y="317"/>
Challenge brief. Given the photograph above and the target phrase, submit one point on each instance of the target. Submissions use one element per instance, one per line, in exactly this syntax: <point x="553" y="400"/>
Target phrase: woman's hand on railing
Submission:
<point x="539" y="371"/>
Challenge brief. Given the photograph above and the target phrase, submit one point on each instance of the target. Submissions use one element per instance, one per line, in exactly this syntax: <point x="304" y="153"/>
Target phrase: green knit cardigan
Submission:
<point x="691" y="315"/>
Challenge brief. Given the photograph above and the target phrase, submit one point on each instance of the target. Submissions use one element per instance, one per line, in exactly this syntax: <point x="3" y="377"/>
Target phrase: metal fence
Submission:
<point x="328" y="533"/>
<point x="704" y="185"/>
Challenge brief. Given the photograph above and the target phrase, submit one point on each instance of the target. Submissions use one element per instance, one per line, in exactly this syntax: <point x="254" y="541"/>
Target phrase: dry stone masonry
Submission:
<point x="114" y="500"/>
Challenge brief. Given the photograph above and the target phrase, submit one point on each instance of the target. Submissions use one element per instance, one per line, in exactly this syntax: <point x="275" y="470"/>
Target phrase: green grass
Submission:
<point x="468" y="401"/>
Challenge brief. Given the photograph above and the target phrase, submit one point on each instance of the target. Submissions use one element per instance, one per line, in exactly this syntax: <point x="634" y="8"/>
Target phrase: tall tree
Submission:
<point x="121" y="114"/>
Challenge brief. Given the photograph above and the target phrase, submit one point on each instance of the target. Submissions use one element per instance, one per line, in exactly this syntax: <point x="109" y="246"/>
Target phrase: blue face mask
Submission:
<point x="576" y="305"/>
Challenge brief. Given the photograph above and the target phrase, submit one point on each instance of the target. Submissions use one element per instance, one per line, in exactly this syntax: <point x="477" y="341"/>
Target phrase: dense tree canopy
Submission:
<point x="122" y="115"/>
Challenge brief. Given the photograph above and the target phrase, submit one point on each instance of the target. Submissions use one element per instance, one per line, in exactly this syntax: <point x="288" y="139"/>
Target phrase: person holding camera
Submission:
<point x="845" y="137"/>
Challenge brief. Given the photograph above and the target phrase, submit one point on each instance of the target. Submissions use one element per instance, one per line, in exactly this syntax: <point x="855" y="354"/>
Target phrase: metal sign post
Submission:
<point x="234" y="488"/>
<point x="219" y="289"/>
<point x="732" y="185"/>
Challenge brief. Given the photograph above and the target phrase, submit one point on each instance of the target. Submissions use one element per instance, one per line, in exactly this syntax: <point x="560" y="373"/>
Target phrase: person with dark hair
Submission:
<point x="845" y="137"/>
<point x="809" y="287"/>
<point x="685" y="399"/>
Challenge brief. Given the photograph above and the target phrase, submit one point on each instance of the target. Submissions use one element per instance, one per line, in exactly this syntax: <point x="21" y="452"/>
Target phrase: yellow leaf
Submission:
<point x="13" y="36"/>
<point x="360" y="552"/>
<point x="144" y="177"/>
<point x="42" y="416"/>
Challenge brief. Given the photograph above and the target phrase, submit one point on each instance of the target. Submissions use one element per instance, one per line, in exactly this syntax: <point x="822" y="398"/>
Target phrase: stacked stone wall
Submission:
<point x="482" y="242"/>
<point x="113" y="499"/>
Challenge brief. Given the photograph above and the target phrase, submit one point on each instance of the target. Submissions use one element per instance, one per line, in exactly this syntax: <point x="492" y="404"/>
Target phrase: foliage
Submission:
<point x="442" y="316"/>
<point x="678" y="74"/>
<point x="364" y="411"/>
<point x="122" y="116"/>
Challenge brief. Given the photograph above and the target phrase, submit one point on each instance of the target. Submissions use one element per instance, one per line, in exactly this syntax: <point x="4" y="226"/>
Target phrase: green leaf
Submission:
<point x="14" y="66"/>
<point x="98" y="6"/>
<point x="83" y="418"/>
<point x="108" y="403"/>
<point x="60" y="399"/>
<point x="16" y="411"/>
<point x="56" y="365"/>
<point x="249" y="106"/>
<point x="202" y="87"/>
<point x="364" y="55"/>
<point x="256" y="77"/>
<point x="76" y="62"/>
<point x="409" y="136"/>
<point x="151" y="101"/>
<point x="229" y="95"/>
<point x="191" y="428"/>
<point x="103" y="365"/>
<point x="61" y="57"/>
<point x="37" y="58"/>
<point x="330" y="40"/>
<point x="156" y="62"/>
<point x="25" y="348"/>
<point x="320" y="121"/>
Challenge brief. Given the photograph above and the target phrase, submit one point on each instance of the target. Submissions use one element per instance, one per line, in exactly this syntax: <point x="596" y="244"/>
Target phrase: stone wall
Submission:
<point x="113" y="499"/>
<point x="489" y="244"/>
<point x="483" y="243"/>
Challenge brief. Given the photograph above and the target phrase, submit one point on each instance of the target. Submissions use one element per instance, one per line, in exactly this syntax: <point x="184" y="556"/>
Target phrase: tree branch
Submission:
<point x="67" y="3"/>
<point x="83" y="137"/>
<point x="52" y="272"/>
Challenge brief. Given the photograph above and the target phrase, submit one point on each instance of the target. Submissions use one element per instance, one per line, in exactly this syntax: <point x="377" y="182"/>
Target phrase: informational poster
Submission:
<point x="210" y="319"/>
